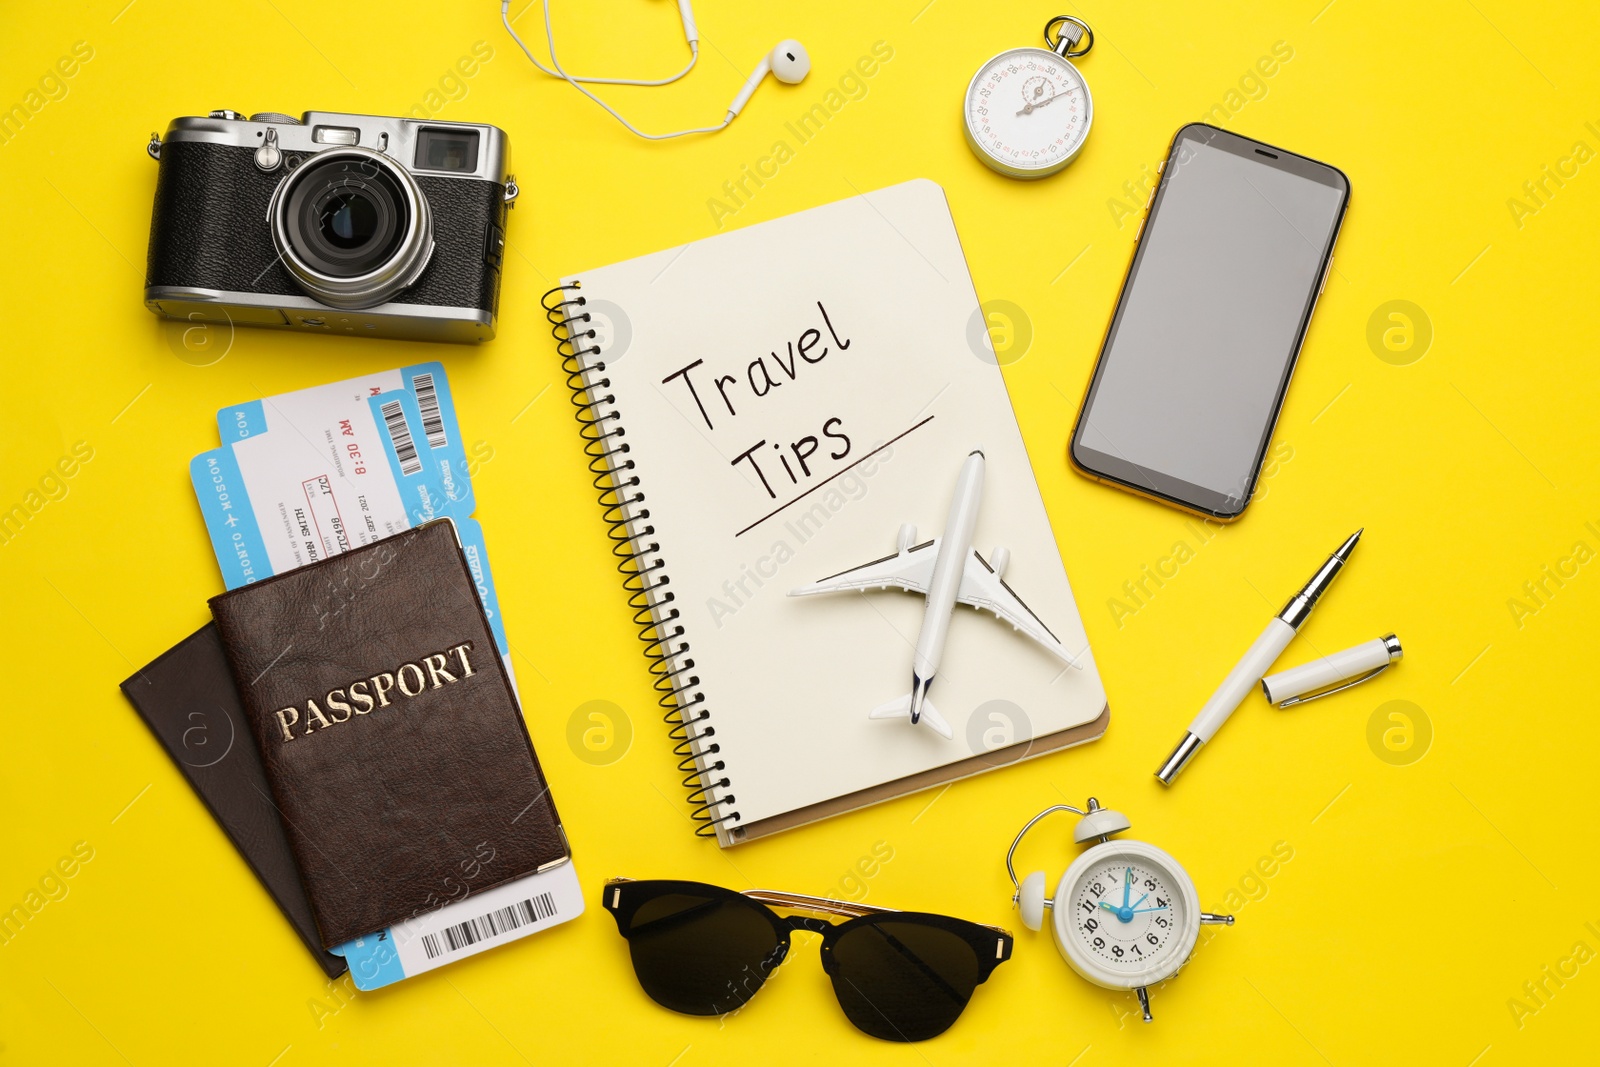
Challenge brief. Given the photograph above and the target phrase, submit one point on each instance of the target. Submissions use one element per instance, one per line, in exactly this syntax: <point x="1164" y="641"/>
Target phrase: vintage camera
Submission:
<point x="333" y="223"/>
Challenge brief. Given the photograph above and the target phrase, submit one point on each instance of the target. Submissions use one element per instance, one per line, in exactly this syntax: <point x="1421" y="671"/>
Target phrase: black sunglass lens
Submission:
<point x="701" y="955"/>
<point x="903" y="981"/>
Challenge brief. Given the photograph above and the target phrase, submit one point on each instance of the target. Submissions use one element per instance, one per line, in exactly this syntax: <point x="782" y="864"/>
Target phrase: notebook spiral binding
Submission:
<point x="621" y="500"/>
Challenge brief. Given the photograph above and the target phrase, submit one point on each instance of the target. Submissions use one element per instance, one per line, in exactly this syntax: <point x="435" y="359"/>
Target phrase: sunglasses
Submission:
<point x="899" y="975"/>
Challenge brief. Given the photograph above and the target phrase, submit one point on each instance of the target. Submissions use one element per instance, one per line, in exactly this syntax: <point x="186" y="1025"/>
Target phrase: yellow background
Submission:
<point x="1421" y="896"/>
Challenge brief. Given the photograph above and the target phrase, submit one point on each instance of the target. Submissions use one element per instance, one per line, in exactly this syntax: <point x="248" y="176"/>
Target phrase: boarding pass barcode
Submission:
<point x="461" y="935"/>
<point x="405" y="449"/>
<point x="428" y="404"/>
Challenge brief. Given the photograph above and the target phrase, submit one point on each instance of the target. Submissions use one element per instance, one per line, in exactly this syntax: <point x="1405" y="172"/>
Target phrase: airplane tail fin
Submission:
<point x="901" y="709"/>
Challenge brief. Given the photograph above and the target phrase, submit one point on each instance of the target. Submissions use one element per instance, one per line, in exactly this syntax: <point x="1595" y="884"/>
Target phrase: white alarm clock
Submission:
<point x="1125" y="914"/>
<point x="1028" y="110"/>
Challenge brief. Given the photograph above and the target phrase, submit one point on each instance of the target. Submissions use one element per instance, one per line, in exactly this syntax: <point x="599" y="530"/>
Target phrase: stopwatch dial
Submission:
<point x="1029" y="109"/>
<point x="1126" y="913"/>
<point x="1037" y="91"/>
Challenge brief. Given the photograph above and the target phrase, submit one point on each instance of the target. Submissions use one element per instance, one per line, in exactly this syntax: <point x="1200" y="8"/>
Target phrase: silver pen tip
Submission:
<point x="1344" y="550"/>
<point x="1179" y="759"/>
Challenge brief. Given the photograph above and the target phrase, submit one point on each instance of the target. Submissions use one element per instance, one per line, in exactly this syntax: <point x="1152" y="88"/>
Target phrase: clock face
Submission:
<point x="1027" y="112"/>
<point x="1126" y="915"/>
<point x="1125" y="912"/>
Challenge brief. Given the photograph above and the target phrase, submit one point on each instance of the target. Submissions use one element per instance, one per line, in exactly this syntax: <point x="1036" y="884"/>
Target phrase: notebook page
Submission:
<point x="792" y="393"/>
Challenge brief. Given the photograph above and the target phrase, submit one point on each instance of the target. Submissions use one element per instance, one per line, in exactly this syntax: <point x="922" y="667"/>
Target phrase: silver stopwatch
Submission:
<point x="1028" y="110"/>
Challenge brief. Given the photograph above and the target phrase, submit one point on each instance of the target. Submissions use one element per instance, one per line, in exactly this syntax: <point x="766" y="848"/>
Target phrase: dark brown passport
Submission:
<point x="389" y="731"/>
<point x="187" y="698"/>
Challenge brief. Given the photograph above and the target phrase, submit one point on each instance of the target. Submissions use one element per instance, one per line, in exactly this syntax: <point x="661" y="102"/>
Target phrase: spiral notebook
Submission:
<point x="767" y="407"/>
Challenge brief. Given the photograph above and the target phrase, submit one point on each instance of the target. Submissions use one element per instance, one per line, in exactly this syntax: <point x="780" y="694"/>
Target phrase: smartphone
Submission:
<point x="1227" y="266"/>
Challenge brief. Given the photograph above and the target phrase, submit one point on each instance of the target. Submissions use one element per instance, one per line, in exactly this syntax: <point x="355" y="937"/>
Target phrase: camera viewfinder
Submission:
<point x="447" y="150"/>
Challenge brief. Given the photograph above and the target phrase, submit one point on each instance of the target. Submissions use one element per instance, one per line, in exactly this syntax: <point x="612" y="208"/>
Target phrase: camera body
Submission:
<point x="333" y="223"/>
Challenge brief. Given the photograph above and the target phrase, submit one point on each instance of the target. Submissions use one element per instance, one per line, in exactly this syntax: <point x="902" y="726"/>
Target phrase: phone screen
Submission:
<point x="1194" y="368"/>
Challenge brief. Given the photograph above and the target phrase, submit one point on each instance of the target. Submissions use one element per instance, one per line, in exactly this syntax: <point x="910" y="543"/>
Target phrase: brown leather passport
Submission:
<point x="187" y="698"/>
<point x="388" y="731"/>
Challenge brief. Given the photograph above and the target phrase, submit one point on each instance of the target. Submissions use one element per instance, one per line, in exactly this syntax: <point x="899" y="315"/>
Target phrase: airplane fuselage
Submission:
<point x="945" y="584"/>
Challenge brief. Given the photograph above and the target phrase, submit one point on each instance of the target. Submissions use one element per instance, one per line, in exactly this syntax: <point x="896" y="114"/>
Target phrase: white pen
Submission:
<point x="1332" y="674"/>
<point x="1250" y="670"/>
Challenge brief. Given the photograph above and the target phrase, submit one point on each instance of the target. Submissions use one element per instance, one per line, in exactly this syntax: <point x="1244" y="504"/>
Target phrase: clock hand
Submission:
<point x="1029" y="108"/>
<point x="1139" y="910"/>
<point x="1141" y="900"/>
<point x="1127" y="886"/>
<point x="1125" y="914"/>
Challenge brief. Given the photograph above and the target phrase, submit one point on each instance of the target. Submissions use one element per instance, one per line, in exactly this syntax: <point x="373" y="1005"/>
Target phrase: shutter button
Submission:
<point x="268" y="158"/>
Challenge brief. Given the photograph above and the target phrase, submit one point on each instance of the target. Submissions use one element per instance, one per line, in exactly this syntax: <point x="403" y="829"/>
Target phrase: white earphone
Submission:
<point x="788" y="62"/>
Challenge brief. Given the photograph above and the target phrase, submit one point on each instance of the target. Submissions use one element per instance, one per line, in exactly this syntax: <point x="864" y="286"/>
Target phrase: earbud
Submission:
<point x="691" y="32"/>
<point x="788" y="62"/>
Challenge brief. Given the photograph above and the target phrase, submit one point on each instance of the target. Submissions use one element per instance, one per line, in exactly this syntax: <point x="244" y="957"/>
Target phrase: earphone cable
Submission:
<point x="505" y="16"/>
<point x="576" y="83"/>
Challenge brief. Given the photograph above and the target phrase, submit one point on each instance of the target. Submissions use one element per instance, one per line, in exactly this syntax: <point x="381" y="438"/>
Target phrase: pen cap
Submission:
<point x="1361" y="662"/>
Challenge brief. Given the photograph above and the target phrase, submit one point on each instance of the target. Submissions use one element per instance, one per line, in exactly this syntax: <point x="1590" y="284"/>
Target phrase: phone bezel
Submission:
<point x="1158" y="485"/>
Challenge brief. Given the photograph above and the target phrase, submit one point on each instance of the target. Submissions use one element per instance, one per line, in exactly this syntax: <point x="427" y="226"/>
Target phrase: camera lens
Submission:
<point x="352" y="227"/>
<point x="349" y="220"/>
<point x="344" y="223"/>
<point x="345" y="215"/>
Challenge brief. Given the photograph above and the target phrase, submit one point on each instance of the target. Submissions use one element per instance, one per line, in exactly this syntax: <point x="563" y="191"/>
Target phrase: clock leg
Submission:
<point x="1208" y="919"/>
<point x="1144" y="1002"/>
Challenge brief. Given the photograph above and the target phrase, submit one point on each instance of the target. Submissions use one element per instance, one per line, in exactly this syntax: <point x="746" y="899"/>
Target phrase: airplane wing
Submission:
<point x="982" y="588"/>
<point x="910" y="570"/>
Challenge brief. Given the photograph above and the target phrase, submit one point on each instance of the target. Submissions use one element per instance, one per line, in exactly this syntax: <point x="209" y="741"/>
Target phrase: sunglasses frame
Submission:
<point x="623" y="897"/>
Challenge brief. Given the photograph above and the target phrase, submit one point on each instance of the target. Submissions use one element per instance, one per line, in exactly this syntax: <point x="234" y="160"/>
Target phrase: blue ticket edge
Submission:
<point x="230" y="520"/>
<point x="422" y="491"/>
<point x="373" y="959"/>
<point x="470" y="534"/>
<point x="450" y="460"/>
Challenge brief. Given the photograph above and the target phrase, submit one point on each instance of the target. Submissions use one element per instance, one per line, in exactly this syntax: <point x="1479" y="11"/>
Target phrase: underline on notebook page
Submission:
<point x="831" y="477"/>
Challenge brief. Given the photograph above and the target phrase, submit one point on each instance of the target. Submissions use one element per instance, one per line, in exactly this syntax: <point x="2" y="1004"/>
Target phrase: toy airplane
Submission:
<point x="947" y="571"/>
